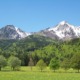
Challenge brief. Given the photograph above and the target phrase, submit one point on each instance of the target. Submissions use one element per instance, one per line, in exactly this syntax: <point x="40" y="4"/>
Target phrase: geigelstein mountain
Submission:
<point x="12" y="32"/>
<point x="62" y="31"/>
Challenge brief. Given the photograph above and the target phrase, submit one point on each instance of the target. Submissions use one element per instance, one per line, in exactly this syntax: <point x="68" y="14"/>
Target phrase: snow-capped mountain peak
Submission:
<point x="21" y="33"/>
<point x="66" y="30"/>
<point x="62" y="22"/>
<point x="61" y="26"/>
<point x="12" y="32"/>
<point x="63" y="31"/>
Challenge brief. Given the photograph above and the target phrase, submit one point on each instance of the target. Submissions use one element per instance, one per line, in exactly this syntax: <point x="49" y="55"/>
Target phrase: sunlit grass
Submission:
<point x="25" y="73"/>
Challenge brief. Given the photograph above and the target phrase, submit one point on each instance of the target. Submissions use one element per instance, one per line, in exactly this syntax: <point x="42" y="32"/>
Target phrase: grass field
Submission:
<point x="26" y="74"/>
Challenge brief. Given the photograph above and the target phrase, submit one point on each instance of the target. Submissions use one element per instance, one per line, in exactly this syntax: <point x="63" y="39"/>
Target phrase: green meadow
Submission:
<point x="25" y="73"/>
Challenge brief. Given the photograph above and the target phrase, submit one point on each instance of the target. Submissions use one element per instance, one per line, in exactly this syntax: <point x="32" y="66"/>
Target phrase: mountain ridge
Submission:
<point x="12" y="32"/>
<point x="62" y="31"/>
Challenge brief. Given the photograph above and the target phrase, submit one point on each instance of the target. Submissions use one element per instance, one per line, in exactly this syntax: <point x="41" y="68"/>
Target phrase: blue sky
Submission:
<point x="35" y="15"/>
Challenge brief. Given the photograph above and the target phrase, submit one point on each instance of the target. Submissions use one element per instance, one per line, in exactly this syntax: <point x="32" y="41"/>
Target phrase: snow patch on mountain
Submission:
<point x="62" y="23"/>
<point x="65" y="30"/>
<point x="12" y="32"/>
<point x="21" y="33"/>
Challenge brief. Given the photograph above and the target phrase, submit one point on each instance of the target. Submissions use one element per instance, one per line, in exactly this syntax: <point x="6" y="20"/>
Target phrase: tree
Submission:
<point x="54" y="64"/>
<point x="31" y="63"/>
<point x="76" y="61"/>
<point x="14" y="62"/>
<point x="41" y="64"/>
<point x="3" y="62"/>
<point x="66" y="64"/>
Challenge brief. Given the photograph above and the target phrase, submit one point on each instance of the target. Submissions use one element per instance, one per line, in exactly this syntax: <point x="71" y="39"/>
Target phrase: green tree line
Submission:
<point x="35" y="48"/>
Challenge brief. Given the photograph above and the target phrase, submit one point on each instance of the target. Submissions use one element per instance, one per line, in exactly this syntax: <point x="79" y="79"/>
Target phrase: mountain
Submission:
<point x="34" y="42"/>
<point x="12" y="32"/>
<point x="30" y="43"/>
<point x="62" y="31"/>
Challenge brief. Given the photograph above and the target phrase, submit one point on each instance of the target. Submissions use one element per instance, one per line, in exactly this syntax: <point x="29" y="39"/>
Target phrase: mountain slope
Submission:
<point x="11" y="32"/>
<point x="33" y="42"/>
<point x="62" y="31"/>
<point x="29" y="43"/>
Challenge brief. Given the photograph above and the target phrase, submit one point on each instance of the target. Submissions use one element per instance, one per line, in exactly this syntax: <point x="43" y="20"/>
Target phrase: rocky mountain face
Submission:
<point x="62" y="31"/>
<point x="11" y="32"/>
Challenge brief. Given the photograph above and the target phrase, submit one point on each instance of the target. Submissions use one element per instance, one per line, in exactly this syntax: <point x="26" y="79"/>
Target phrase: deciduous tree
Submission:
<point x="14" y="62"/>
<point x="41" y="64"/>
<point x="54" y="64"/>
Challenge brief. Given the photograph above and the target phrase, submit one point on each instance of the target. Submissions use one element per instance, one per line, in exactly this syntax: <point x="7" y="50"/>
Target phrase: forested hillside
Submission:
<point x="37" y="47"/>
<point x="22" y="48"/>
